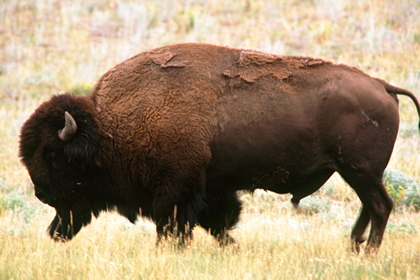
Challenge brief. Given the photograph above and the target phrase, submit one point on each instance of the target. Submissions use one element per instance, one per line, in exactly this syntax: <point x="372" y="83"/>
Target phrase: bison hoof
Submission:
<point x="356" y="244"/>
<point x="57" y="237"/>
<point x="226" y="241"/>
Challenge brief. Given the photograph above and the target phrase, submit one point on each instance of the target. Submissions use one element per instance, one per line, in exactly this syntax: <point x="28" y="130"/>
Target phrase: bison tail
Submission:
<point x="396" y="90"/>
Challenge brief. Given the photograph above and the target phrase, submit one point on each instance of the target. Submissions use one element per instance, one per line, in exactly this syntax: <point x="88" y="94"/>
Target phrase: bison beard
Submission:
<point x="172" y="134"/>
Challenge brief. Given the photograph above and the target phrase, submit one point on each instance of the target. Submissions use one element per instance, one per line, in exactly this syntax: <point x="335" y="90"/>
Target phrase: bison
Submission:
<point x="173" y="133"/>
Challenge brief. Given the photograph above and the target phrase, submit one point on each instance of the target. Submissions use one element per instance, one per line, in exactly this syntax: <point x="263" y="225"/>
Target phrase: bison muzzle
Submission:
<point x="173" y="133"/>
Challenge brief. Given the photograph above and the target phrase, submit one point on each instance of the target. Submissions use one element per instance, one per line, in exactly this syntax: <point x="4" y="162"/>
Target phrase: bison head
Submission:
<point x="58" y="145"/>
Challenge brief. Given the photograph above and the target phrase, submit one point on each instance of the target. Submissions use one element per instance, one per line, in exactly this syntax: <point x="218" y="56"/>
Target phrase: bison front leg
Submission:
<point x="172" y="226"/>
<point x="176" y="219"/>
<point x="64" y="226"/>
<point x="68" y="222"/>
<point x="221" y="215"/>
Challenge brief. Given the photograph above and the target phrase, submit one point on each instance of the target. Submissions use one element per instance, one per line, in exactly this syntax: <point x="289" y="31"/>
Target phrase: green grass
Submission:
<point x="50" y="47"/>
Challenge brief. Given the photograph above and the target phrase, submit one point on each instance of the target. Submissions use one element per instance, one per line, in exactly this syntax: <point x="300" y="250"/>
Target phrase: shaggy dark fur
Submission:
<point x="173" y="133"/>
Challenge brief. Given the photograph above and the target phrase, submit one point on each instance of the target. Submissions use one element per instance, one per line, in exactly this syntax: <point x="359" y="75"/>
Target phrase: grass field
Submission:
<point x="49" y="47"/>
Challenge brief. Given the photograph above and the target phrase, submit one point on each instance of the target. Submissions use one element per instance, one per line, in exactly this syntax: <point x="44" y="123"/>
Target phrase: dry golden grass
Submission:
<point x="275" y="244"/>
<point x="48" y="47"/>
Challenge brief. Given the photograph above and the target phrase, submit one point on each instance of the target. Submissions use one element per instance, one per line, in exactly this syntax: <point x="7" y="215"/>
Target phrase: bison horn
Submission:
<point x="69" y="130"/>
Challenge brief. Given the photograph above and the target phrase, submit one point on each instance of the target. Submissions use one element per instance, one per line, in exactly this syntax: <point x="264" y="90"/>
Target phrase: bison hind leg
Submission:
<point x="357" y="237"/>
<point x="221" y="215"/>
<point x="377" y="207"/>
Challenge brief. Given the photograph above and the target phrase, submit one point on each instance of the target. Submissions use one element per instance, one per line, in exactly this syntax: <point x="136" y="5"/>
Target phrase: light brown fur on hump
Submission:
<point x="165" y="58"/>
<point x="254" y="64"/>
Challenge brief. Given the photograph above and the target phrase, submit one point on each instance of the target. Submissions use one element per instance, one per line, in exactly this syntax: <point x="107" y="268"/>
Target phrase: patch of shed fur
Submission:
<point x="166" y="58"/>
<point x="254" y="64"/>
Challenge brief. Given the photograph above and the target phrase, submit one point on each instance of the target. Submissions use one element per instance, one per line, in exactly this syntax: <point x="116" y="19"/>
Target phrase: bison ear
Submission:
<point x="70" y="128"/>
